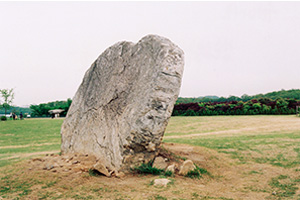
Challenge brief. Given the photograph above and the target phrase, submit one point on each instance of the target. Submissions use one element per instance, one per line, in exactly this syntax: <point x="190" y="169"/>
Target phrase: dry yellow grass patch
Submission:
<point x="231" y="125"/>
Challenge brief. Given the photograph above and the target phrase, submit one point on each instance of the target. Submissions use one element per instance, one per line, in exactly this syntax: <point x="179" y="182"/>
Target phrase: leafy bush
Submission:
<point x="261" y="106"/>
<point x="168" y="173"/>
<point x="3" y="118"/>
<point x="148" y="169"/>
<point x="197" y="172"/>
<point x="194" y="174"/>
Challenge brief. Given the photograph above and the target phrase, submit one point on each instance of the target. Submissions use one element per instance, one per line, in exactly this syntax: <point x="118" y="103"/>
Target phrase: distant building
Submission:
<point x="55" y="113"/>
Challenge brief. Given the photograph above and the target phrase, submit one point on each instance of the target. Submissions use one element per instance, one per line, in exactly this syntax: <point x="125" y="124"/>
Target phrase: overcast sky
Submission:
<point x="231" y="48"/>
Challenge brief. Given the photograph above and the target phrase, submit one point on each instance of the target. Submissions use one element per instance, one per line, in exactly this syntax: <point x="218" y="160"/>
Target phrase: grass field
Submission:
<point x="262" y="139"/>
<point x="21" y="139"/>
<point x="249" y="157"/>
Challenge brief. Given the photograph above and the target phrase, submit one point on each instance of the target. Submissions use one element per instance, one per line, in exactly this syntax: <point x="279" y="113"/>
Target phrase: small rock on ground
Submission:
<point x="160" y="163"/>
<point x="171" y="168"/>
<point x="187" y="166"/>
<point x="161" y="182"/>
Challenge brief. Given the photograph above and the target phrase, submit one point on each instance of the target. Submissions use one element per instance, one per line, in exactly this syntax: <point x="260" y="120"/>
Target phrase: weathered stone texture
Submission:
<point x="160" y="163"/>
<point x="121" y="109"/>
<point x="161" y="182"/>
<point x="186" y="167"/>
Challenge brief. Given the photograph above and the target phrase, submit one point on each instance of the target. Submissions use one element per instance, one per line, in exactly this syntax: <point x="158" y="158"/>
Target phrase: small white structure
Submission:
<point x="55" y="113"/>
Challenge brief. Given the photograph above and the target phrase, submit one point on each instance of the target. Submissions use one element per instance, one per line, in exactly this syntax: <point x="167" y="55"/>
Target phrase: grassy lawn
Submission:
<point x="21" y="139"/>
<point x="262" y="139"/>
<point x="249" y="157"/>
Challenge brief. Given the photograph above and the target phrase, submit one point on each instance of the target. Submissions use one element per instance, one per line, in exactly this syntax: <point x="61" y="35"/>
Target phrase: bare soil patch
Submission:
<point x="228" y="179"/>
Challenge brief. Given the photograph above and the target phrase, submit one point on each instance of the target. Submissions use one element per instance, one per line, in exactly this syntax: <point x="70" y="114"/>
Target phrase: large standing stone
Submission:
<point x="121" y="109"/>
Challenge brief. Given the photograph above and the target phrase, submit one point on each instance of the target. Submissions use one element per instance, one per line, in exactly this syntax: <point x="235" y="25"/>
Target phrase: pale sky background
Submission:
<point x="231" y="48"/>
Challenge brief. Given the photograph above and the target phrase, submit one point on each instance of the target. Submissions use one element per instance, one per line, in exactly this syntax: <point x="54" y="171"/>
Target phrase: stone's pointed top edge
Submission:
<point x="159" y="38"/>
<point x="145" y="38"/>
<point x="149" y="37"/>
<point x="124" y="43"/>
<point x="154" y="37"/>
<point x="119" y="44"/>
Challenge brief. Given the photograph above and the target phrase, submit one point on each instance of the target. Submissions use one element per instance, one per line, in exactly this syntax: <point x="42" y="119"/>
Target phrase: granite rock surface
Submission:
<point x="122" y="107"/>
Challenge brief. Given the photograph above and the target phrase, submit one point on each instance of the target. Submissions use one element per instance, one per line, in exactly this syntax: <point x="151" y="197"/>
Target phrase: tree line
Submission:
<point x="261" y="106"/>
<point x="17" y="110"/>
<point x="42" y="110"/>
<point x="280" y="102"/>
<point x="285" y="94"/>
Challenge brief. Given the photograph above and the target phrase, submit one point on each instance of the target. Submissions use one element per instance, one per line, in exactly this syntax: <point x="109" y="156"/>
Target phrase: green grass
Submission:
<point x="146" y="168"/>
<point x="15" y="186"/>
<point x="197" y="172"/>
<point x="40" y="135"/>
<point x="159" y="197"/>
<point x="28" y="136"/>
<point x="272" y="140"/>
<point x="30" y="131"/>
<point x="242" y="147"/>
<point x="168" y="173"/>
<point x="284" y="186"/>
<point x="268" y="145"/>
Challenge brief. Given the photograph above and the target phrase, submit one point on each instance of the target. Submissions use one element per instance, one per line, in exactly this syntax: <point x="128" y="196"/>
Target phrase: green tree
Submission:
<point x="7" y="98"/>
<point x="280" y="102"/>
<point x="256" y="107"/>
<point x="42" y="110"/>
<point x="190" y="112"/>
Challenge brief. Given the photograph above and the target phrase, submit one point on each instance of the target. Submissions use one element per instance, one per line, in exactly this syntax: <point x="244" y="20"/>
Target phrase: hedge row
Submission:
<point x="262" y="106"/>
